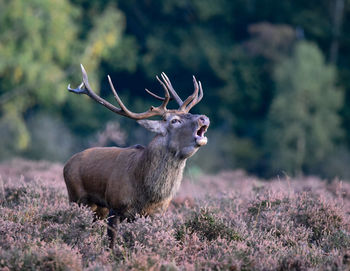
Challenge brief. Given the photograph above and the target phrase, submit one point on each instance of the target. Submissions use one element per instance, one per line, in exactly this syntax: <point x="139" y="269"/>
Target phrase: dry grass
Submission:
<point x="243" y="224"/>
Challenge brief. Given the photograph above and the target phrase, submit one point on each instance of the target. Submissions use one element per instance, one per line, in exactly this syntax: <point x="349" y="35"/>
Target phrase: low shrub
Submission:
<point x="244" y="224"/>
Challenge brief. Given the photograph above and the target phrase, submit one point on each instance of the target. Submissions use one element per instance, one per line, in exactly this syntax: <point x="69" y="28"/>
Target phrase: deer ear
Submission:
<point x="155" y="126"/>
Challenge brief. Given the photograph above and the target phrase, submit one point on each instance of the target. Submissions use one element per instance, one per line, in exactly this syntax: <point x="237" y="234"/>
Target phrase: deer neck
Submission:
<point x="163" y="170"/>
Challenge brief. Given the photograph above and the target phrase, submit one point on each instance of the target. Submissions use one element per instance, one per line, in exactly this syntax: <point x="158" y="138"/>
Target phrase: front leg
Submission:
<point x="114" y="217"/>
<point x="112" y="220"/>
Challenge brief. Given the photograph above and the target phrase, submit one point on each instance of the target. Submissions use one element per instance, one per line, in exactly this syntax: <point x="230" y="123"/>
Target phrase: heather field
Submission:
<point x="225" y="222"/>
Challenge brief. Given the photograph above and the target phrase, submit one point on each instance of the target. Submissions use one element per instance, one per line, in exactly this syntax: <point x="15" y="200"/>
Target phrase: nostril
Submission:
<point x="203" y="120"/>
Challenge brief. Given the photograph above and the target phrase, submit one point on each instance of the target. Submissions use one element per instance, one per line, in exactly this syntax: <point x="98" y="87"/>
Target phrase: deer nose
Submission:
<point x="203" y="120"/>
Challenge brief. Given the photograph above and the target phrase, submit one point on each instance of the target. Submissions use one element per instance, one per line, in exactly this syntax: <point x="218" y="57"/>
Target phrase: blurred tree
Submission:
<point x="270" y="41"/>
<point x="303" y="123"/>
<point x="35" y="45"/>
<point x="41" y="45"/>
<point x="104" y="42"/>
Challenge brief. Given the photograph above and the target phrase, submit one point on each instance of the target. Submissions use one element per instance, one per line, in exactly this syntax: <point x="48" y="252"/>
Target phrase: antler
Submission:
<point x="190" y="102"/>
<point x="85" y="88"/>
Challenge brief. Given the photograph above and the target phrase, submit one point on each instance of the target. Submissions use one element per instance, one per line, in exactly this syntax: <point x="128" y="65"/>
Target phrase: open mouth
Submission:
<point x="202" y="130"/>
<point x="200" y="138"/>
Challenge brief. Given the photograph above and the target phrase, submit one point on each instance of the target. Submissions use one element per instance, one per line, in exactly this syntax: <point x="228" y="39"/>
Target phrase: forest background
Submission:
<point x="276" y="78"/>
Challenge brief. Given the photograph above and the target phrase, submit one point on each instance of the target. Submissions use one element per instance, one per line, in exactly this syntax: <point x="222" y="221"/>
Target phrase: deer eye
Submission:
<point x="175" y="121"/>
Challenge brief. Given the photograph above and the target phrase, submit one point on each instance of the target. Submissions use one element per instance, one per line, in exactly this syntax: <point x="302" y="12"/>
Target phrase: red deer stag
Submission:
<point x="137" y="180"/>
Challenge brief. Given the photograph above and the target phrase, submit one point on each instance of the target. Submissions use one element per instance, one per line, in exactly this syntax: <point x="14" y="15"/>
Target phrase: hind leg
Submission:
<point x="114" y="217"/>
<point x="112" y="221"/>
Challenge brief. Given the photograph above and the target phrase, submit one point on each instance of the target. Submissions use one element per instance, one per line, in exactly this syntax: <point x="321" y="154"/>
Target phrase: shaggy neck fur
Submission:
<point x="163" y="174"/>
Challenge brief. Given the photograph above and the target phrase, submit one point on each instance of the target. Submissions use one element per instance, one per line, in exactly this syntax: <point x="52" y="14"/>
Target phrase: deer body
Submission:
<point x="128" y="180"/>
<point x="137" y="180"/>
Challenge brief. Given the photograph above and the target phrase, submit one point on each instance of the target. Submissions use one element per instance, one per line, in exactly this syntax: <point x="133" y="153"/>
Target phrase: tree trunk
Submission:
<point x="337" y="20"/>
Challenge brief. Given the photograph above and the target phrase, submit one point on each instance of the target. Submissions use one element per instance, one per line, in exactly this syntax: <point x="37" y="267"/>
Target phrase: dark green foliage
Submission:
<point x="271" y="109"/>
<point x="256" y="208"/>
<point x="303" y="125"/>
<point x="206" y="225"/>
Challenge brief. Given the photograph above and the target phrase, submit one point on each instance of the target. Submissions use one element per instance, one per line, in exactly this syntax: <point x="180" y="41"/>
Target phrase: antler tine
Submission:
<point x="85" y="88"/>
<point x="154" y="95"/>
<point x="190" y="102"/>
<point x="153" y="111"/>
<point x="167" y="87"/>
<point x="200" y="97"/>
<point x="122" y="106"/>
<point x="167" y="95"/>
<point x="191" y="97"/>
<point x="171" y="89"/>
<point x="197" y="99"/>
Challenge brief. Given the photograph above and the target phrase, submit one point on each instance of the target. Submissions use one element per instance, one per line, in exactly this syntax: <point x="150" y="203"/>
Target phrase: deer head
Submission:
<point x="178" y="131"/>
